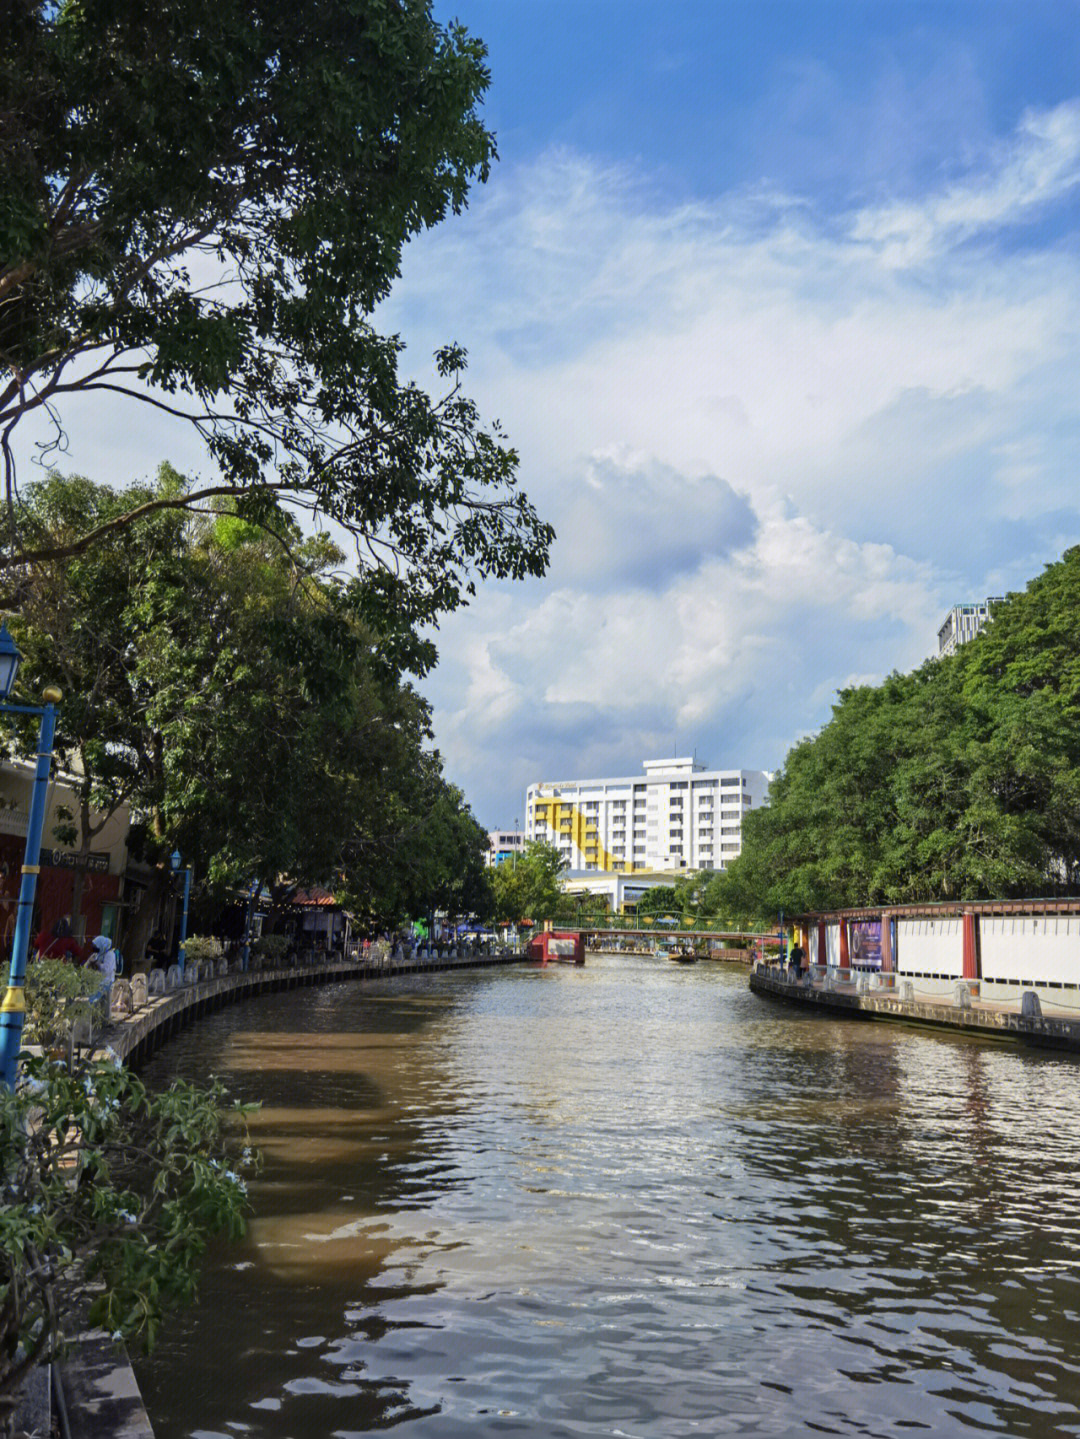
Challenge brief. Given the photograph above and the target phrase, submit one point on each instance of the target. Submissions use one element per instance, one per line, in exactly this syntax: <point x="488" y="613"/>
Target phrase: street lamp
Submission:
<point x="13" y="1004"/>
<point x="176" y="860"/>
<point x="9" y="662"/>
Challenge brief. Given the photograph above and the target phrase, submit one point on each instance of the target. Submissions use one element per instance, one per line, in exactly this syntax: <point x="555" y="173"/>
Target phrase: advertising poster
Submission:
<point x="865" y="944"/>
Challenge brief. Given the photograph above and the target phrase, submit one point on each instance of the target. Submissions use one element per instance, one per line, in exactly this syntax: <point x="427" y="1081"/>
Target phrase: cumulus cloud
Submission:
<point x="776" y="442"/>
<point x="775" y="445"/>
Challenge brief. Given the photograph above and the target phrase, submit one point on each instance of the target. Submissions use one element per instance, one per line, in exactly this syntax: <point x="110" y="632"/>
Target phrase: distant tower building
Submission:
<point x="963" y="623"/>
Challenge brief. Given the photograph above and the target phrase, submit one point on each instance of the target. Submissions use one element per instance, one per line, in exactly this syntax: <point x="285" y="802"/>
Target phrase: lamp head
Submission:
<point x="10" y="659"/>
<point x="175" y="858"/>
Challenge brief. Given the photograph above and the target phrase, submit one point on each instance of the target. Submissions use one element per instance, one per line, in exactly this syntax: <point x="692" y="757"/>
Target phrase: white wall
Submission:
<point x="927" y="947"/>
<point x="832" y="944"/>
<point x="1032" y="948"/>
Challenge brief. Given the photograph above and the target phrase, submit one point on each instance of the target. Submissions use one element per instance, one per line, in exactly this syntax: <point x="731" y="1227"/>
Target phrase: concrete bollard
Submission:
<point x="962" y="995"/>
<point x="83" y="1031"/>
<point x="138" y="990"/>
<point x="906" y="991"/>
<point x="1030" y="1007"/>
<point x="121" y="997"/>
<point x="173" y="979"/>
<point x="222" y="966"/>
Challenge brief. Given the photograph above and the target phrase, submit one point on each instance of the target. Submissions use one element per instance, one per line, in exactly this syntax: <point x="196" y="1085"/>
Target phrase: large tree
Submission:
<point x="959" y="781"/>
<point x="201" y="204"/>
<point x="228" y="691"/>
<point x="527" y="887"/>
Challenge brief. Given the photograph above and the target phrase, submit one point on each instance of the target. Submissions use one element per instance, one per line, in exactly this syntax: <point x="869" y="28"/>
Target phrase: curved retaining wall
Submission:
<point x="137" y="1035"/>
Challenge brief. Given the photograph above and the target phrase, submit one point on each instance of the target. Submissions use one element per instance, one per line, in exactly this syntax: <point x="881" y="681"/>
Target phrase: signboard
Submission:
<point x="864" y="943"/>
<point x="96" y="863"/>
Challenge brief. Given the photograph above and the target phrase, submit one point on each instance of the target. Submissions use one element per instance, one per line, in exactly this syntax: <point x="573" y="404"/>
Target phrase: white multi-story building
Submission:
<point x="675" y="815"/>
<point x="963" y="623"/>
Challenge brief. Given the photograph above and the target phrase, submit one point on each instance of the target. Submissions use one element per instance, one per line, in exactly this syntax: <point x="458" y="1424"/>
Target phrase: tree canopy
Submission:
<point x="959" y="781"/>
<point x="231" y="693"/>
<point x="201" y="204"/>
<point x="527" y="886"/>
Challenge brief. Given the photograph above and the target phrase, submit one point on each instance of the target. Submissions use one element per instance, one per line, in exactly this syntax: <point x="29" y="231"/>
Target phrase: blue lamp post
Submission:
<point x="176" y="861"/>
<point x="245" y="953"/>
<point x="13" y="1004"/>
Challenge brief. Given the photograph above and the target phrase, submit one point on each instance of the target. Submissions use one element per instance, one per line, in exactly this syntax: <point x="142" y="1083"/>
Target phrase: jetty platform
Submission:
<point x="885" y="998"/>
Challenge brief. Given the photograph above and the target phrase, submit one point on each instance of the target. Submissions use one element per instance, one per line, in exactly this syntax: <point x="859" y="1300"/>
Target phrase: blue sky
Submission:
<point x="780" y="304"/>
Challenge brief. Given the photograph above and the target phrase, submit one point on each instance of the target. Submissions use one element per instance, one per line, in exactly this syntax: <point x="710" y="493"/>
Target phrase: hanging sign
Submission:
<point x="95" y="862"/>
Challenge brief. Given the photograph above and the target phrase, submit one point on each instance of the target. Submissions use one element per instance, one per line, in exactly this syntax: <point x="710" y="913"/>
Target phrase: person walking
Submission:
<point x="103" y="957"/>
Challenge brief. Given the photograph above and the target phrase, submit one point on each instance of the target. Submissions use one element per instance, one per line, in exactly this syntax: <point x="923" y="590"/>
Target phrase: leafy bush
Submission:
<point x="56" y="994"/>
<point x="201" y="946"/>
<point x="273" y="947"/>
<point x="115" y="1187"/>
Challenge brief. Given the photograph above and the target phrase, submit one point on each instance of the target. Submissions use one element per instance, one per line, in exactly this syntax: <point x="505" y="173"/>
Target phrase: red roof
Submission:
<point x="314" y="898"/>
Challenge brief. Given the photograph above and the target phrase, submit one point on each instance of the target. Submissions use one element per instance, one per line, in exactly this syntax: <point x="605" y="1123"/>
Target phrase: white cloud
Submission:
<point x="1040" y="164"/>
<point x="772" y="452"/>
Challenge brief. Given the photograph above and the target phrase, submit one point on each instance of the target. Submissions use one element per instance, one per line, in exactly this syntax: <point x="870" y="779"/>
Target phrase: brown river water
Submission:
<point x="630" y="1200"/>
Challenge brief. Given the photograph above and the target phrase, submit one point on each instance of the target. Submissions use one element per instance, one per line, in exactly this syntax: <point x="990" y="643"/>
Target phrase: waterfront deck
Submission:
<point x="990" y="1019"/>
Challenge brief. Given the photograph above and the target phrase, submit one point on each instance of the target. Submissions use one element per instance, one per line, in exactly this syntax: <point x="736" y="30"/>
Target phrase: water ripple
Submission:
<point x="622" y="1201"/>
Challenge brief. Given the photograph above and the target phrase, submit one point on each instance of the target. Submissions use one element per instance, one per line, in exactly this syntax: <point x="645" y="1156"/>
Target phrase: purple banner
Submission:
<point x="865" y="944"/>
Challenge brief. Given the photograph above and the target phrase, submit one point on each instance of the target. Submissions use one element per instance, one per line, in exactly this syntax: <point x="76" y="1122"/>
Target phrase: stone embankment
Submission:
<point x="155" y="1020"/>
<point x="826" y="991"/>
<point x="95" y="1391"/>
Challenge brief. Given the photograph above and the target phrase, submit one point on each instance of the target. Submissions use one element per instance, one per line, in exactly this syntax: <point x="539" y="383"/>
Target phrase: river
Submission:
<point x="630" y="1200"/>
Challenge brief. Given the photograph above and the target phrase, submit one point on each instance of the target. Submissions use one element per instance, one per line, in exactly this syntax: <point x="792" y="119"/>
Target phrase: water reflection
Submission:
<point x="630" y="1199"/>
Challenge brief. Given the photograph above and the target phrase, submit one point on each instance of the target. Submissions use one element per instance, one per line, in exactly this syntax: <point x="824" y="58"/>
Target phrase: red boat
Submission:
<point x="553" y="946"/>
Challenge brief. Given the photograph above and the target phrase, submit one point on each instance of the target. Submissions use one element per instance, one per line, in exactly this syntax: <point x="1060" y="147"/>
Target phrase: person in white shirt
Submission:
<point x="104" y="958"/>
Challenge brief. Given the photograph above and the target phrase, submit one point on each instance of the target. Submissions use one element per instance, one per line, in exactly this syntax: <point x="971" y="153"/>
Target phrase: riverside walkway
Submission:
<point x="887" y="997"/>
